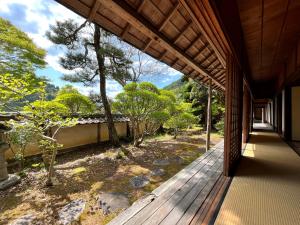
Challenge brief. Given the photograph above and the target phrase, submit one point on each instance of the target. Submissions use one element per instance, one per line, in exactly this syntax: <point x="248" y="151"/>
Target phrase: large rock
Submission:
<point x="112" y="202"/>
<point x="71" y="212"/>
<point x="139" y="181"/>
<point x="161" y="162"/>
<point x="10" y="181"/>
<point x="24" y="220"/>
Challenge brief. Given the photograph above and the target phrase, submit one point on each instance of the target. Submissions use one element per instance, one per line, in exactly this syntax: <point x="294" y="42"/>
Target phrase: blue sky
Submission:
<point x="35" y="16"/>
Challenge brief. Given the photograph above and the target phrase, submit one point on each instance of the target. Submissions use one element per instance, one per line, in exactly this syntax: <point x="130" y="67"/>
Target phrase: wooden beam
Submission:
<point x="170" y="14"/>
<point x="163" y="55"/>
<point x="174" y="63"/>
<point x="124" y="32"/>
<point x="147" y="45"/>
<point x="184" y="30"/>
<point x="94" y="10"/>
<point x="212" y="62"/>
<point x="193" y="42"/>
<point x="201" y="50"/>
<point x="206" y="57"/>
<point x="203" y="31"/>
<point x="141" y="6"/>
<point x="123" y="9"/>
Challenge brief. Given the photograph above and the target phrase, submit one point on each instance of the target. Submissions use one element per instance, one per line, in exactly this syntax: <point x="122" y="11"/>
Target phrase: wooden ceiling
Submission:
<point x="271" y="30"/>
<point x="180" y="33"/>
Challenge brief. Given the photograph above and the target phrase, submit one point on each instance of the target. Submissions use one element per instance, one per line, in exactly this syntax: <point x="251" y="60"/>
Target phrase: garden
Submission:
<point x="92" y="183"/>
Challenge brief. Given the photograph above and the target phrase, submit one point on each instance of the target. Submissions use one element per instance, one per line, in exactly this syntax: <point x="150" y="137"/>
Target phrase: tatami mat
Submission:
<point x="266" y="187"/>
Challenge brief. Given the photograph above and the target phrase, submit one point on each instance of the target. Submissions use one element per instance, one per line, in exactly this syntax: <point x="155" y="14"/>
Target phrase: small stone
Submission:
<point x="24" y="220"/>
<point x="71" y="212"/>
<point x="111" y="202"/>
<point x="10" y="181"/>
<point x="139" y="181"/>
<point x="157" y="172"/>
<point x="161" y="162"/>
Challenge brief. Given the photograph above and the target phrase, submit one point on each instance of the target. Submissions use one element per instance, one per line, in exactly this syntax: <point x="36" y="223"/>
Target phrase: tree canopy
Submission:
<point x="18" y="54"/>
<point x="74" y="100"/>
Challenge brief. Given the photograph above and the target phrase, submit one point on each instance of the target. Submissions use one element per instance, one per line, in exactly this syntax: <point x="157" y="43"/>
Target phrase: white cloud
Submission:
<point x="112" y="88"/>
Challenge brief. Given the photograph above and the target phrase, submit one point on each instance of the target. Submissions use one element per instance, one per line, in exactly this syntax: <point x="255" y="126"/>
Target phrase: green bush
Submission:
<point x="220" y="126"/>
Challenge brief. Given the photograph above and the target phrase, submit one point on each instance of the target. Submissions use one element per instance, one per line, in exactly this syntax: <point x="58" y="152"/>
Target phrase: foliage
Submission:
<point x="18" y="54"/>
<point x="74" y="100"/>
<point x="14" y="88"/>
<point x="21" y="134"/>
<point x="143" y="103"/>
<point x="93" y="58"/>
<point x="220" y="126"/>
<point x="192" y="92"/>
<point x="181" y="117"/>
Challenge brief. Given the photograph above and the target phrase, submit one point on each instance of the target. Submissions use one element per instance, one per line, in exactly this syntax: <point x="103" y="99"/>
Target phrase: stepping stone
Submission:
<point x="24" y="220"/>
<point x="111" y="202"/>
<point x="71" y="212"/>
<point x="158" y="172"/>
<point x="139" y="181"/>
<point x="177" y="160"/>
<point x="10" y="181"/>
<point x="161" y="162"/>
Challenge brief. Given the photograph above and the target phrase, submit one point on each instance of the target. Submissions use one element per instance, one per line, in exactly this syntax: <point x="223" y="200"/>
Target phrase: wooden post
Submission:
<point x="208" y="117"/>
<point x="246" y="114"/>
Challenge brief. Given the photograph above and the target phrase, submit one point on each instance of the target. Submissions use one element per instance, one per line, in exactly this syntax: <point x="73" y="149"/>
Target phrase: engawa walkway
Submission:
<point x="178" y="200"/>
<point x="266" y="187"/>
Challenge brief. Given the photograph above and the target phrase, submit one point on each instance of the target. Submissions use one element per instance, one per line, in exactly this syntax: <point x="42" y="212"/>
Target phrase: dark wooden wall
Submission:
<point x="233" y="115"/>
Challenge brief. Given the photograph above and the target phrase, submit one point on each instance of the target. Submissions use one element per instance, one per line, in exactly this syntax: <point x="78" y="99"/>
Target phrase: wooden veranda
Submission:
<point x="249" y="50"/>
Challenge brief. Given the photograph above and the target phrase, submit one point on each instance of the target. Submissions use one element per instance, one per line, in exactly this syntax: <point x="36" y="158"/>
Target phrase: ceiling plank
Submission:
<point x="131" y="16"/>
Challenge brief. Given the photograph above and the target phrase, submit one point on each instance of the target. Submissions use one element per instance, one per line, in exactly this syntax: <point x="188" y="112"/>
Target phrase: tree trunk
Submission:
<point x="208" y="120"/>
<point x="51" y="168"/>
<point x="113" y="136"/>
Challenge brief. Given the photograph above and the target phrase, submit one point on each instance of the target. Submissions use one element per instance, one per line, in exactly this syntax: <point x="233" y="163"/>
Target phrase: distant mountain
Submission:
<point x="175" y="85"/>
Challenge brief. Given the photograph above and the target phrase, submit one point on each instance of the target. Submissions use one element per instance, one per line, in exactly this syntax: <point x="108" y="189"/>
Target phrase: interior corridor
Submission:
<point x="266" y="186"/>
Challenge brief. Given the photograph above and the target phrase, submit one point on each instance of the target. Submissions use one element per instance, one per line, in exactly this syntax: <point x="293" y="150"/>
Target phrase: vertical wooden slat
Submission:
<point x="233" y="115"/>
<point x="246" y="114"/>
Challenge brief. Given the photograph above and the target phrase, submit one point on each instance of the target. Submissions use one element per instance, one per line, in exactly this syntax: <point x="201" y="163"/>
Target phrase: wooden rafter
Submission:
<point x="124" y="32"/>
<point x="147" y="45"/>
<point x="207" y="57"/>
<point x="193" y="42"/>
<point x="163" y="55"/>
<point x="94" y="10"/>
<point x="170" y="14"/>
<point x="201" y="50"/>
<point x="141" y="6"/>
<point x="131" y="16"/>
<point x="184" y="30"/>
<point x="203" y="31"/>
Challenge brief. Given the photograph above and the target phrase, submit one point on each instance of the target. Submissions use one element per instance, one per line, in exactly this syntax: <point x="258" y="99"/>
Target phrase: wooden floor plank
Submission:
<point x="184" y="188"/>
<point x="202" y="189"/>
<point x="199" y="201"/>
<point x="143" y="215"/>
<point x="167" y="204"/>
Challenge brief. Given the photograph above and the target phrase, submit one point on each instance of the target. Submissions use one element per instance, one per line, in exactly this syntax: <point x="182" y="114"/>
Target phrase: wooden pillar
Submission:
<point x="246" y="114"/>
<point x="208" y="116"/>
<point x="233" y="115"/>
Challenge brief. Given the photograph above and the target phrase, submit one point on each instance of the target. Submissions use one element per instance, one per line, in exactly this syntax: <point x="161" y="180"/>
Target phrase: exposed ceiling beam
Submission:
<point x="141" y="6"/>
<point x="203" y="31"/>
<point x="184" y="30"/>
<point x="170" y="14"/>
<point x="94" y="10"/>
<point x="131" y="16"/>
